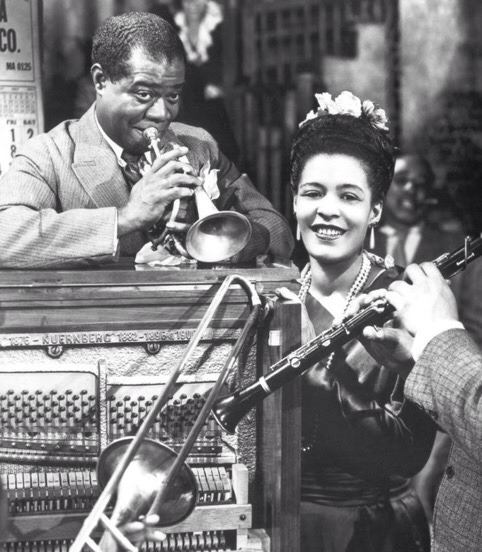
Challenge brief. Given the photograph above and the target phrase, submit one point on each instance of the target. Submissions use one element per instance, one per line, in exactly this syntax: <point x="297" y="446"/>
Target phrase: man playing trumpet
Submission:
<point x="82" y="194"/>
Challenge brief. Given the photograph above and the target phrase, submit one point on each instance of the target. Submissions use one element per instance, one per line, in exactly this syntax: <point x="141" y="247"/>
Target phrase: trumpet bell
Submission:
<point x="143" y="478"/>
<point x="218" y="236"/>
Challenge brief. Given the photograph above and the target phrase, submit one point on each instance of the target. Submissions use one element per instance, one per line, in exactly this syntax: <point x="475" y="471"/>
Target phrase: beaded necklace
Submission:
<point x="355" y="289"/>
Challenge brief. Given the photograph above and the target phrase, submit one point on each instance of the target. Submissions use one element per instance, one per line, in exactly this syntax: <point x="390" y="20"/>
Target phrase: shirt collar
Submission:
<point x="392" y="231"/>
<point x="115" y="147"/>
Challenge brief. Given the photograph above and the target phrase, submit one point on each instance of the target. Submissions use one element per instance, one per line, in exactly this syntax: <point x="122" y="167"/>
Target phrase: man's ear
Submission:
<point x="98" y="77"/>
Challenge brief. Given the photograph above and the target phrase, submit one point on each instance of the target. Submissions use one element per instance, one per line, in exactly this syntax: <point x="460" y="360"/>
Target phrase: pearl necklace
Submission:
<point x="355" y="289"/>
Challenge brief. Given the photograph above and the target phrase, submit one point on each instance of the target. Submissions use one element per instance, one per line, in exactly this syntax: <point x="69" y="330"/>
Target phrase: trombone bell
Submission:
<point x="142" y="480"/>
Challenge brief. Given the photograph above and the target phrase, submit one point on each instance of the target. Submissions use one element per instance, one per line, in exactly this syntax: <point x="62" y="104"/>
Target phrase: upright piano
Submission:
<point x="84" y="355"/>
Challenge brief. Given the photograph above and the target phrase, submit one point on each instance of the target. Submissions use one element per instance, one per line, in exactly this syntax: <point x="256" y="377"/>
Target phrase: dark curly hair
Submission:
<point x="424" y="164"/>
<point x="347" y="135"/>
<point x="119" y="35"/>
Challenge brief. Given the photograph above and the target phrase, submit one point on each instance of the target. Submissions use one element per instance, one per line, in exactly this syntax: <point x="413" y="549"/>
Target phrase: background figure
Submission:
<point x="199" y="24"/>
<point x="418" y="225"/>
<point x="465" y="186"/>
<point x="408" y="233"/>
<point x="412" y="232"/>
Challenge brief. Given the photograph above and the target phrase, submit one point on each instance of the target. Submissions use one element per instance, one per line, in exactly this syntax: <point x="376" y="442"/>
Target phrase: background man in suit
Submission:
<point x="409" y="234"/>
<point x="406" y="233"/>
<point x="68" y="198"/>
<point x="445" y="381"/>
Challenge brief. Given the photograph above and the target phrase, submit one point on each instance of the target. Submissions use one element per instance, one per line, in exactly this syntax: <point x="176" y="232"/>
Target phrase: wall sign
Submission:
<point x="21" y="110"/>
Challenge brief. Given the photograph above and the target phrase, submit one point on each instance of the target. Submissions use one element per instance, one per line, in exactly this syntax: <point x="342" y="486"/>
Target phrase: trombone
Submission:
<point x="166" y="485"/>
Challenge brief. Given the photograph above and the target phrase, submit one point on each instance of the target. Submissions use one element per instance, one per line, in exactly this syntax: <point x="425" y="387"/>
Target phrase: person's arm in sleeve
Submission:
<point x="446" y="378"/>
<point x="271" y="232"/>
<point x="447" y="381"/>
<point x="34" y="234"/>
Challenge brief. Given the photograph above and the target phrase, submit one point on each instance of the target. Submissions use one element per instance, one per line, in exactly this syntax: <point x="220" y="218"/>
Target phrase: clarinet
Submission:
<point x="230" y="409"/>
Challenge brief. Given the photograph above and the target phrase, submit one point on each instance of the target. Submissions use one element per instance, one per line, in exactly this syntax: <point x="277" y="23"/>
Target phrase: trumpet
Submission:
<point x="214" y="237"/>
<point x="146" y="476"/>
<point x="230" y="409"/>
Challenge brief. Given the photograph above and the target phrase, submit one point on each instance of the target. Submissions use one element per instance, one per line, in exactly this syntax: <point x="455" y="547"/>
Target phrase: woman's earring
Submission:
<point x="298" y="232"/>
<point x="371" y="243"/>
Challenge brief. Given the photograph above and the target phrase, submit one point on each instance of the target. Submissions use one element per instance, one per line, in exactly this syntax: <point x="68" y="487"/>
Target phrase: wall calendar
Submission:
<point x="21" y="109"/>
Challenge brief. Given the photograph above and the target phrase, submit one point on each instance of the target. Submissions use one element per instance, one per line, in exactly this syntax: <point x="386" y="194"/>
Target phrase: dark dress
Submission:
<point x="366" y="441"/>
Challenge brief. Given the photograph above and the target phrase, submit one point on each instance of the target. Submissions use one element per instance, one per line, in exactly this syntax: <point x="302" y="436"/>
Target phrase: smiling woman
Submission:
<point x="334" y="207"/>
<point x="361" y="440"/>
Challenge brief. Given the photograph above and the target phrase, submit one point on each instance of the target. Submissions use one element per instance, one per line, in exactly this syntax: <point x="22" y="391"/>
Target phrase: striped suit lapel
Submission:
<point x="96" y="167"/>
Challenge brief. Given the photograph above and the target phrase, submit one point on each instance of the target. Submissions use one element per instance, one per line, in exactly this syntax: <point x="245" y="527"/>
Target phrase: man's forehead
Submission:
<point x="409" y="162"/>
<point x="140" y="61"/>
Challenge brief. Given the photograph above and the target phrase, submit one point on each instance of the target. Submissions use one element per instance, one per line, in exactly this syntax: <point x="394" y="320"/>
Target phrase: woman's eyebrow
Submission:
<point x="343" y="186"/>
<point x="350" y="186"/>
<point x="314" y="183"/>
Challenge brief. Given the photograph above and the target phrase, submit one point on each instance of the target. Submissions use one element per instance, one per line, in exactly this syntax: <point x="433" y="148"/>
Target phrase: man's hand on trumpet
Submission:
<point x="422" y="308"/>
<point x="167" y="179"/>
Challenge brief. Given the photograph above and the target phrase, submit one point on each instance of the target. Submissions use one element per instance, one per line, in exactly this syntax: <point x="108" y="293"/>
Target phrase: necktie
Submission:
<point x="399" y="255"/>
<point x="131" y="170"/>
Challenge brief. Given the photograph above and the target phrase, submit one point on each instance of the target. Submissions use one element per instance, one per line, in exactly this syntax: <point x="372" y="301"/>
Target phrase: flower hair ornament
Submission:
<point x="348" y="104"/>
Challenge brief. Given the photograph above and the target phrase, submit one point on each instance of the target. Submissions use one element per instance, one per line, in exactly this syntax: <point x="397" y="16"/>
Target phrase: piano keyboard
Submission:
<point x="62" y="491"/>
<point x="201" y="541"/>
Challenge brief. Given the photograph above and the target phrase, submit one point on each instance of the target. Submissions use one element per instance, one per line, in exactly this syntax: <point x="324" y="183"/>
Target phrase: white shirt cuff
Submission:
<point x="423" y="337"/>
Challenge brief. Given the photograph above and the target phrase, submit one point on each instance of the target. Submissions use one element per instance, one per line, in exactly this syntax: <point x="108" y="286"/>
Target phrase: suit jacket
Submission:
<point x="467" y="287"/>
<point x="469" y="300"/>
<point x="447" y="382"/>
<point x="59" y="199"/>
<point x="433" y="242"/>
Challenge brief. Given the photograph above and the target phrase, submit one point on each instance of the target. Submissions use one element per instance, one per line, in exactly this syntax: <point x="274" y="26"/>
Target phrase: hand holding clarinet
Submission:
<point x="424" y="306"/>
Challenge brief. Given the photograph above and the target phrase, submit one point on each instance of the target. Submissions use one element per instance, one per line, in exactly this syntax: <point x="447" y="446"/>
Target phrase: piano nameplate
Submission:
<point x="112" y="337"/>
